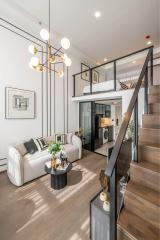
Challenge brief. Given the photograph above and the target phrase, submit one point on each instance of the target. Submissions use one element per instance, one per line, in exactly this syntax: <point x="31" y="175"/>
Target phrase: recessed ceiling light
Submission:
<point x="97" y="14"/>
<point x="134" y="62"/>
<point x="105" y="59"/>
<point x="149" y="43"/>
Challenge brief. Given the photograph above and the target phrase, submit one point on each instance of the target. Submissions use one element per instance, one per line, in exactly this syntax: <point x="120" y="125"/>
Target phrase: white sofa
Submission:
<point x="21" y="169"/>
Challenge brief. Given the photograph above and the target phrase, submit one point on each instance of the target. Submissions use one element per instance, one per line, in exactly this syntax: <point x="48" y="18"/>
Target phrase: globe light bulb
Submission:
<point x="35" y="61"/>
<point x="68" y="62"/>
<point x="65" y="43"/>
<point x="30" y="65"/>
<point x="44" y="34"/>
<point x="32" y="49"/>
<point x="60" y="73"/>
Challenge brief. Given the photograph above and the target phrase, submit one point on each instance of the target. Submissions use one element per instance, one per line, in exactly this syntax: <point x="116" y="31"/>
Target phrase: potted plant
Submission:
<point x="53" y="148"/>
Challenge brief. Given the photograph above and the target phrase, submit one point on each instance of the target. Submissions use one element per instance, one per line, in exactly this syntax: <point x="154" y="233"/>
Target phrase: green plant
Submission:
<point x="54" y="147"/>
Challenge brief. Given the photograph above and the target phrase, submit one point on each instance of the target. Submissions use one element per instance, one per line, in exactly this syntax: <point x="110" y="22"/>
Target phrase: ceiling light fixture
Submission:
<point x="134" y="61"/>
<point x="149" y="42"/>
<point x="105" y="59"/>
<point x="97" y="14"/>
<point x="53" y="55"/>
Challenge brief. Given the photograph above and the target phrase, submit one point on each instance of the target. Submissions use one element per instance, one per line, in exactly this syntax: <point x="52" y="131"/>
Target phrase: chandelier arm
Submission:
<point x="51" y="69"/>
<point x="58" y="50"/>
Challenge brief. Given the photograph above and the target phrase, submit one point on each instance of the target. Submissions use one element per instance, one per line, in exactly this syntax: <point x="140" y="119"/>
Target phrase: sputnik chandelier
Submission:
<point x="53" y="55"/>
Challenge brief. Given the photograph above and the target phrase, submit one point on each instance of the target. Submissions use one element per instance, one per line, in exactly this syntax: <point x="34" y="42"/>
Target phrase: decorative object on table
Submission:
<point x="106" y="206"/>
<point x="95" y="76"/>
<point x="61" y="138"/>
<point x="53" y="148"/>
<point x="85" y="76"/>
<point x="19" y="103"/>
<point x="104" y="184"/>
<point x="53" y="56"/>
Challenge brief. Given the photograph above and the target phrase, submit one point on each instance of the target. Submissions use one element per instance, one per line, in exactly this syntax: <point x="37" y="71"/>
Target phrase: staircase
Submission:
<point x="140" y="217"/>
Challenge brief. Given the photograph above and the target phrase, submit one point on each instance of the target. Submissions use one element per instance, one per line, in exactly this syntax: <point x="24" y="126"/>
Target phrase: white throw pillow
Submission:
<point x="69" y="138"/>
<point x="21" y="149"/>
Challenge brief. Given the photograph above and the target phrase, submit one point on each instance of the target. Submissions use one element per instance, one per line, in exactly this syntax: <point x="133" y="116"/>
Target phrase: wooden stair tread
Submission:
<point x="144" y="192"/>
<point x="148" y="166"/>
<point x="137" y="228"/>
<point x="151" y="145"/>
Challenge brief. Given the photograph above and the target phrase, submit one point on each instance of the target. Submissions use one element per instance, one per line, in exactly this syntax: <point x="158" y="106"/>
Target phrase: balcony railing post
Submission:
<point x="74" y="90"/>
<point x="136" y="131"/>
<point x="113" y="205"/>
<point x="151" y="72"/>
<point x="90" y="77"/>
<point x="115" y="73"/>
<point x="146" y="92"/>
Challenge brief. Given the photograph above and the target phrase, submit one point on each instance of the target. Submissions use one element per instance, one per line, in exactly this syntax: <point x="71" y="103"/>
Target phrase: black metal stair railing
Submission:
<point x="111" y="170"/>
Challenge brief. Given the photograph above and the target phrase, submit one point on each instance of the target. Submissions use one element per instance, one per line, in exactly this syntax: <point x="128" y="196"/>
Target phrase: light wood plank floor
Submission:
<point x="37" y="212"/>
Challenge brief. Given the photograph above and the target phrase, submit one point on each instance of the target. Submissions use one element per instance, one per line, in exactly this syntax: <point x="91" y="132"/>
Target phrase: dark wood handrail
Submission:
<point x="114" y="60"/>
<point x="123" y="129"/>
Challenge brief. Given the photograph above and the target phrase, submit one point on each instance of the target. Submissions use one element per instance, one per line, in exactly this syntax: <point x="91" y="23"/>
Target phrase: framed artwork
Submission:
<point x="85" y="75"/>
<point x="95" y="76"/>
<point x="60" y="138"/>
<point x="19" y="103"/>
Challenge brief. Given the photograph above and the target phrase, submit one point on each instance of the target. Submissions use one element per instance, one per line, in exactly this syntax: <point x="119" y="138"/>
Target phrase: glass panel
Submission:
<point x="82" y="84"/>
<point x="128" y="70"/>
<point x="102" y="78"/>
<point x="85" y="123"/>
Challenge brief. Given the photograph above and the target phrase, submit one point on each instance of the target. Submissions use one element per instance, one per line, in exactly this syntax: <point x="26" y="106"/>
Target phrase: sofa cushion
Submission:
<point x="31" y="146"/>
<point x="72" y="152"/>
<point x="41" y="143"/>
<point x="21" y="149"/>
<point x="69" y="138"/>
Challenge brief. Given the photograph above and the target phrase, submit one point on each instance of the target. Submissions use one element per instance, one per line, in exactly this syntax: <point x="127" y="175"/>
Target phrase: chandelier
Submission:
<point x="53" y="55"/>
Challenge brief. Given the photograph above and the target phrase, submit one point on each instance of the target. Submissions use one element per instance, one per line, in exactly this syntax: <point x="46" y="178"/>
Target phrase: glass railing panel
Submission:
<point x="82" y="84"/>
<point x="128" y="70"/>
<point x="103" y="78"/>
<point x="85" y="123"/>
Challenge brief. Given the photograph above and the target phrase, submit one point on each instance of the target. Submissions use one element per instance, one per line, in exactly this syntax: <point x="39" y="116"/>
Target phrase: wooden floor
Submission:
<point x="37" y="212"/>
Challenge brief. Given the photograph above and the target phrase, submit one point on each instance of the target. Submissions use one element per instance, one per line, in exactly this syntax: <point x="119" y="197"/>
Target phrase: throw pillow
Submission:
<point x="69" y="138"/>
<point x="41" y="143"/>
<point x="61" y="138"/>
<point x="21" y="149"/>
<point x="31" y="146"/>
<point x="123" y="85"/>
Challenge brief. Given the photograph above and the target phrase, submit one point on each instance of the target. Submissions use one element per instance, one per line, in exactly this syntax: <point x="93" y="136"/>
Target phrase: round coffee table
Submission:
<point x="58" y="177"/>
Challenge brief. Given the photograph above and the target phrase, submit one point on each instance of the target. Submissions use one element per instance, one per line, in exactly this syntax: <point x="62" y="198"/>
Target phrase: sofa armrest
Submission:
<point x="15" y="166"/>
<point x="78" y="143"/>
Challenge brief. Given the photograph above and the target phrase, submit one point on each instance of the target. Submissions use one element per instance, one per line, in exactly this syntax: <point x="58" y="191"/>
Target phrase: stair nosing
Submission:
<point x="146" y="168"/>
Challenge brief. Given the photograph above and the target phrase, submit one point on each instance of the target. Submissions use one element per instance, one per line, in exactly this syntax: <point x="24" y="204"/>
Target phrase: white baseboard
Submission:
<point x="3" y="168"/>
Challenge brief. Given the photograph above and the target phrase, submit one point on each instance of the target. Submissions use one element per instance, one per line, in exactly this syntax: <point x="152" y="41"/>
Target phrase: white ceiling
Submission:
<point x="120" y="30"/>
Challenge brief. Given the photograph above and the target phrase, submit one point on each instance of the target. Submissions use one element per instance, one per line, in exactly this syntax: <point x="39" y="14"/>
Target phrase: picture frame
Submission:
<point x="60" y="138"/>
<point x="95" y="76"/>
<point x="19" y="103"/>
<point x="85" y="76"/>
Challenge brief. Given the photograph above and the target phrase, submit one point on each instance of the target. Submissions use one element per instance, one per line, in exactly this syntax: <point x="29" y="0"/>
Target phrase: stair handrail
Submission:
<point x="111" y="170"/>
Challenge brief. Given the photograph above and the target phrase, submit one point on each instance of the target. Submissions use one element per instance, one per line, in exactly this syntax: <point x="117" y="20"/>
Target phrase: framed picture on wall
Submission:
<point x="85" y="75"/>
<point x="95" y="76"/>
<point x="19" y="103"/>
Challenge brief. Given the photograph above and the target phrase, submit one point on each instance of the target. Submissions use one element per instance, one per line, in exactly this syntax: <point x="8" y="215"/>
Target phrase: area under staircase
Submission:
<point x="140" y="217"/>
